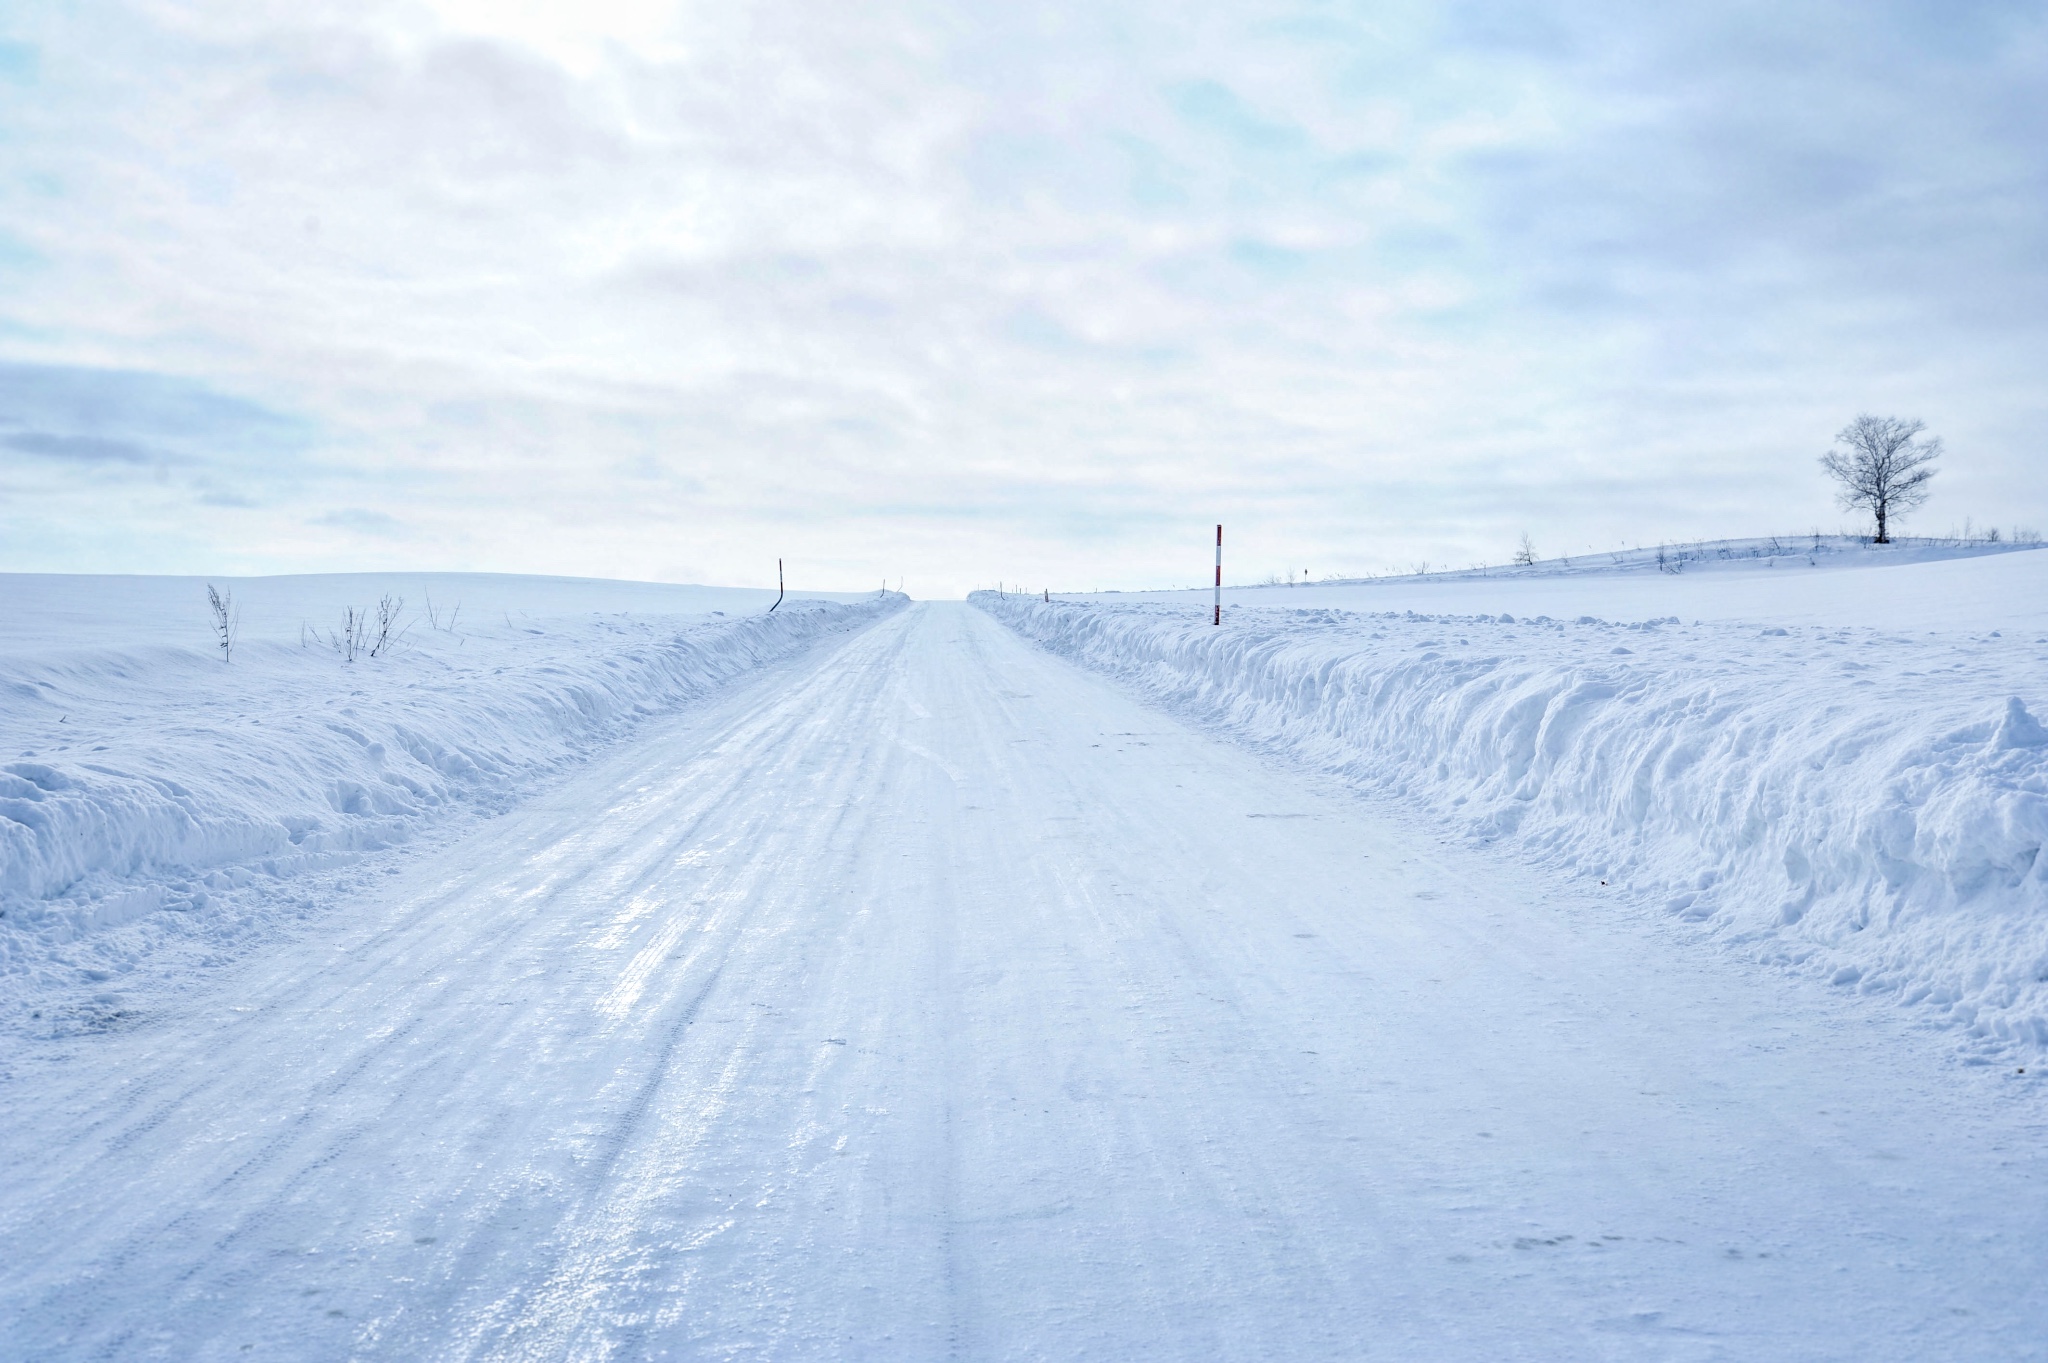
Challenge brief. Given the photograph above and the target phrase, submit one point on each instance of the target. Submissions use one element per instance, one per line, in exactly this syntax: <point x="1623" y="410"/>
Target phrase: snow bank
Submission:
<point x="1865" y="804"/>
<point x="154" y="781"/>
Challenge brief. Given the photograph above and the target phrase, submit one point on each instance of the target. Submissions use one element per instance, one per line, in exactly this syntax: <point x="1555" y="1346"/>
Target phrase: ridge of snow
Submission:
<point x="1860" y="804"/>
<point x="154" y="783"/>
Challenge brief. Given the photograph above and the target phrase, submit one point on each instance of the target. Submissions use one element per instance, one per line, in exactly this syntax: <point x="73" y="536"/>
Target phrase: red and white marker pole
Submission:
<point x="1218" y="618"/>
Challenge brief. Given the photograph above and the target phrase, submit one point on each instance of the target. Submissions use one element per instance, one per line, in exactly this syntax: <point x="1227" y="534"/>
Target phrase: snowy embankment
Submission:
<point x="151" y="793"/>
<point x="1867" y="803"/>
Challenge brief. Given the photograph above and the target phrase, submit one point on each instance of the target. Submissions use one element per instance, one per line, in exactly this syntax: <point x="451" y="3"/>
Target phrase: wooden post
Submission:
<point x="778" y="586"/>
<point x="1217" y="619"/>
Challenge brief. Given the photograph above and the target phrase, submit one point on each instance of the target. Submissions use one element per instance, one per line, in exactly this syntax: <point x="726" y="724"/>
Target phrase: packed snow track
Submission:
<point x="928" y="998"/>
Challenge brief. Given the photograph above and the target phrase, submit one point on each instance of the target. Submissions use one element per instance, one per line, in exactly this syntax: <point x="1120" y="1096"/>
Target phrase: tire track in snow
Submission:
<point x="596" y="1268"/>
<point x="522" y="913"/>
<point x="1055" y="1046"/>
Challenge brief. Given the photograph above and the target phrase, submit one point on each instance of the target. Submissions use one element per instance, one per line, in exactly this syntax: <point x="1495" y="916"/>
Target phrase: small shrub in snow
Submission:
<point x="435" y="622"/>
<point x="386" y="633"/>
<point x="367" y="635"/>
<point x="350" y="643"/>
<point x="226" y="620"/>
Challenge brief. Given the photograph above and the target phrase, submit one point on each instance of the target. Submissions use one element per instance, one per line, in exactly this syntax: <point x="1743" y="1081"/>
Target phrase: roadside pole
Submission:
<point x="1217" y="619"/>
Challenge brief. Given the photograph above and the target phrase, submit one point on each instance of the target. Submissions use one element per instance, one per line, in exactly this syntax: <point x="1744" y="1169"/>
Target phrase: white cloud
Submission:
<point x="958" y="292"/>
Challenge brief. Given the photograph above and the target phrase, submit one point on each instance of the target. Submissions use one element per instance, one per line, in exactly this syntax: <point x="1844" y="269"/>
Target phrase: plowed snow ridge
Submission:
<point x="168" y="795"/>
<point x="1869" y="804"/>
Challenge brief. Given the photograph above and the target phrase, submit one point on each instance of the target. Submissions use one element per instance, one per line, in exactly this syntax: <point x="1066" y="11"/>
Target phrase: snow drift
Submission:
<point x="1868" y="805"/>
<point x="156" y="779"/>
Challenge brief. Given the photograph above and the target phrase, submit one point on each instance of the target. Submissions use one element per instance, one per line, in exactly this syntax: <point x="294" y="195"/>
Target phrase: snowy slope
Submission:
<point x="1865" y="802"/>
<point x="150" y="794"/>
<point x="1843" y="582"/>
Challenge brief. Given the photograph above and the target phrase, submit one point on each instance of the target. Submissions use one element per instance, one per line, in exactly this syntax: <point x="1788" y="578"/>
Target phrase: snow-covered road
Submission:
<point x="928" y="998"/>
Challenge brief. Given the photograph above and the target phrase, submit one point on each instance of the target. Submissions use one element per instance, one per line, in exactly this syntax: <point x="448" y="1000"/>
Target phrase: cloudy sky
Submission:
<point x="955" y="292"/>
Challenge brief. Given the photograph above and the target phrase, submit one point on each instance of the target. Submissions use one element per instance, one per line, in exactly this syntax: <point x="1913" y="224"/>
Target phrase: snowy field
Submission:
<point x="1832" y="759"/>
<point x="1824" y="580"/>
<point x="610" y="978"/>
<point x="159" y="810"/>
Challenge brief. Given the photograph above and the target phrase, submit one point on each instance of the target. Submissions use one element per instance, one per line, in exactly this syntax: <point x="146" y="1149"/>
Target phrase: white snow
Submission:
<point x="1825" y="581"/>
<point x="1840" y="768"/>
<point x="609" y="978"/>
<point x="153" y="795"/>
<point x="928" y="997"/>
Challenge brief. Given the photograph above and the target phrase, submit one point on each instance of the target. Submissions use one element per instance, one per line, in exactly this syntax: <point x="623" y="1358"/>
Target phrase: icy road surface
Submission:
<point x="930" y="999"/>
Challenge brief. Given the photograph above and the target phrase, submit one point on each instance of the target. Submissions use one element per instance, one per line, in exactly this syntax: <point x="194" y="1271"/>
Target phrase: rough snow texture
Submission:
<point x="147" y="785"/>
<point x="1869" y="805"/>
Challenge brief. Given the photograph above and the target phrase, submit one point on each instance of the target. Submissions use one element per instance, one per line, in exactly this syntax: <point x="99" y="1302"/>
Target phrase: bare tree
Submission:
<point x="1884" y="469"/>
<point x="1525" y="553"/>
<point x="227" y="621"/>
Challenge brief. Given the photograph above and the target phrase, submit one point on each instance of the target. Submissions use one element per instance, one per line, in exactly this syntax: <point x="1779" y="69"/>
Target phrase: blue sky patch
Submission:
<point x="112" y="415"/>
<point x="18" y="63"/>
